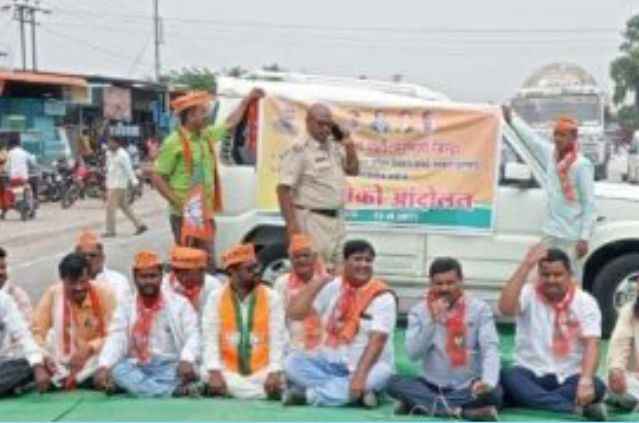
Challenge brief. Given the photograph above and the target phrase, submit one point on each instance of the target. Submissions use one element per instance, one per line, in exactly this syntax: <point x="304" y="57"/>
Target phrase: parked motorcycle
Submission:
<point x="50" y="185"/>
<point x="70" y="187"/>
<point x="19" y="197"/>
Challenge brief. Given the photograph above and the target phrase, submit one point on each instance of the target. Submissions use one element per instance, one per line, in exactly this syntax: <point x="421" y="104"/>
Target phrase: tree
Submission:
<point x="194" y="78"/>
<point x="624" y="71"/>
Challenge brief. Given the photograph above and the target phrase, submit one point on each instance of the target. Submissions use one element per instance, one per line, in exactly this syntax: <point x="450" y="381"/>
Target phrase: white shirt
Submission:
<point x="383" y="317"/>
<point x="117" y="283"/>
<point x="211" y="284"/>
<point x="535" y="327"/>
<point x="18" y="161"/>
<point x="15" y="330"/>
<point x="211" y="331"/>
<point x="119" y="170"/>
<point x="174" y="334"/>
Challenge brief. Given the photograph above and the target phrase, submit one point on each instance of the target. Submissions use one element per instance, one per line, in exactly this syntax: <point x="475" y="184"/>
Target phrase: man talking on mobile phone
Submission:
<point x="312" y="183"/>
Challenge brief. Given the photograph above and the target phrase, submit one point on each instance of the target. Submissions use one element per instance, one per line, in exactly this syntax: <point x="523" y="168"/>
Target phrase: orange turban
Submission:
<point x="87" y="239"/>
<point x="300" y="242"/>
<point x="239" y="254"/>
<point x="188" y="258"/>
<point x="191" y="99"/>
<point x="146" y="260"/>
<point x="566" y="125"/>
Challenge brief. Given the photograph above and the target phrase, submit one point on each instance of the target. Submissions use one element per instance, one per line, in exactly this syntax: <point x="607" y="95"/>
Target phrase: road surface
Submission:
<point x="35" y="248"/>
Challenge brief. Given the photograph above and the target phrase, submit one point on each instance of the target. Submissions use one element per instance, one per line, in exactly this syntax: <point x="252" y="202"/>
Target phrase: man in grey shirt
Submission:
<point x="454" y="335"/>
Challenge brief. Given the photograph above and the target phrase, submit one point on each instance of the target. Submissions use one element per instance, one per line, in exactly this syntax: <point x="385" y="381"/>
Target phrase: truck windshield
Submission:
<point x="544" y="110"/>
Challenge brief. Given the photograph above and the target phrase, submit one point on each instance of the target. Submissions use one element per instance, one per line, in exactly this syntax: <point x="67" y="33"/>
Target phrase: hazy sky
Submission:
<point x="468" y="49"/>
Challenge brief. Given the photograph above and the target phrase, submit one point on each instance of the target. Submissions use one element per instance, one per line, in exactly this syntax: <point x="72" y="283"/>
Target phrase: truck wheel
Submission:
<point x="614" y="286"/>
<point x="274" y="262"/>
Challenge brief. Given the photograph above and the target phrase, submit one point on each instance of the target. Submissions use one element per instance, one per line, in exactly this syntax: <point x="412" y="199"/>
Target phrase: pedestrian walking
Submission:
<point x="120" y="176"/>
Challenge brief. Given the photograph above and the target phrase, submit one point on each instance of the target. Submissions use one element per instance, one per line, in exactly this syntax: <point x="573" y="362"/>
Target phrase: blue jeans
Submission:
<point x="327" y="383"/>
<point x="417" y="391"/>
<point x="524" y="389"/>
<point x="156" y="379"/>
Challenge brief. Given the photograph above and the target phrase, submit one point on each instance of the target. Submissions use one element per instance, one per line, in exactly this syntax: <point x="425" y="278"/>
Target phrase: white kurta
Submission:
<point x="117" y="283"/>
<point x="14" y="330"/>
<point x="211" y="284"/>
<point x="174" y="333"/>
<point x="241" y="386"/>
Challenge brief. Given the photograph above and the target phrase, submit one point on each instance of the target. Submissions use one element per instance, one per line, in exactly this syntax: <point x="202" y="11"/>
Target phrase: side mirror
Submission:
<point x="519" y="174"/>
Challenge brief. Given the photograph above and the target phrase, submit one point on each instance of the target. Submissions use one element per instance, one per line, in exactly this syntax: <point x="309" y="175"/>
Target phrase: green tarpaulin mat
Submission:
<point x="95" y="406"/>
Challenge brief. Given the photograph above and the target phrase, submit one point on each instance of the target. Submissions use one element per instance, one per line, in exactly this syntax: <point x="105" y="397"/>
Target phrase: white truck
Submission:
<point x="611" y="269"/>
<point x="567" y="89"/>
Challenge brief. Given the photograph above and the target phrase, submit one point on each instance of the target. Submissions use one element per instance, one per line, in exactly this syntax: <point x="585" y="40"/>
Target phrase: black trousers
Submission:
<point x="14" y="374"/>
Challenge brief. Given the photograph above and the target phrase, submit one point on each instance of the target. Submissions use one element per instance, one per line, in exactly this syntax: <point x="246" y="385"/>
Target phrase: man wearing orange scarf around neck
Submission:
<point x="570" y="190"/>
<point x="70" y="323"/>
<point x="305" y="335"/>
<point x="454" y="336"/>
<point x="358" y="315"/>
<point x="186" y="170"/>
<point x="154" y="340"/>
<point x="188" y="276"/>
<point x="243" y="332"/>
<point x="558" y="327"/>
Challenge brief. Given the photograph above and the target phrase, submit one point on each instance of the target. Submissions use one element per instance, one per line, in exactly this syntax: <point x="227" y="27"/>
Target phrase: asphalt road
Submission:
<point x="34" y="255"/>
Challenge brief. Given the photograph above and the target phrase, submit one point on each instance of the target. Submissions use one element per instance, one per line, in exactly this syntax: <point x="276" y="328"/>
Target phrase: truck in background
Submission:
<point x="567" y="89"/>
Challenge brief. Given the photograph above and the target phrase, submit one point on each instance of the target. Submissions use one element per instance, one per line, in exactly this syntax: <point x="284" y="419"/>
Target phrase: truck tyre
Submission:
<point x="275" y="262"/>
<point x="607" y="288"/>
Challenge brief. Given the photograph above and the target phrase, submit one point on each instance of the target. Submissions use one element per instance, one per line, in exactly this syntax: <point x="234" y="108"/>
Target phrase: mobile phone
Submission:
<point x="337" y="132"/>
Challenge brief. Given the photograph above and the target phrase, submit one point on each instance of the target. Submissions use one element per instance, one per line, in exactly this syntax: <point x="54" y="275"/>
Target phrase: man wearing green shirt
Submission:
<point x="187" y="157"/>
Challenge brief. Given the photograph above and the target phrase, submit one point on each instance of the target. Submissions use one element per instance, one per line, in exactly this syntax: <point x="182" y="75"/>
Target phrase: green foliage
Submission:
<point x="628" y="117"/>
<point x="194" y="78"/>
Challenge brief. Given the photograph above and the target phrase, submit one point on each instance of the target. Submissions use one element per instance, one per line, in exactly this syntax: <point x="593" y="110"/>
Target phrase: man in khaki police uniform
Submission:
<point x="312" y="184"/>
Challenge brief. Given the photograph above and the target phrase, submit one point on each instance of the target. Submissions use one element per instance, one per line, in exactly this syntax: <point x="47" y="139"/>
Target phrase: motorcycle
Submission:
<point x="70" y="187"/>
<point x="50" y="186"/>
<point x="19" y="197"/>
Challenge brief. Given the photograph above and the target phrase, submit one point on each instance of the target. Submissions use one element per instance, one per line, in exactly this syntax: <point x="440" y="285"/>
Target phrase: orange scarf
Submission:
<point x="142" y="328"/>
<point x="456" y="330"/>
<point x="565" y="330"/>
<point x="343" y="322"/>
<point x="188" y="166"/>
<point x="244" y="346"/>
<point x="68" y="316"/>
<point x="563" y="170"/>
<point x="191" y="294"/>
<point x="312" y="322"/>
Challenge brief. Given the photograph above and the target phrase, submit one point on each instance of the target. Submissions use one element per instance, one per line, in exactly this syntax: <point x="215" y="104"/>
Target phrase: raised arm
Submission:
<point x="238" y="114"/>
<point x="509" y="299"/>
<point x="351" y="165"/>
<point x="302" y="303"/>
<point x="419" y="332"/>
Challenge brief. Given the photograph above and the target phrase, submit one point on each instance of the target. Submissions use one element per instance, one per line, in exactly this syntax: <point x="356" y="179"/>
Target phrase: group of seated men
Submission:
<point x="314" y="338"/>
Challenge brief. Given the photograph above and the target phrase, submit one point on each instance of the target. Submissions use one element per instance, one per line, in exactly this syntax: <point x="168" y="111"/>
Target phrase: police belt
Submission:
<point x="332" y="213"/>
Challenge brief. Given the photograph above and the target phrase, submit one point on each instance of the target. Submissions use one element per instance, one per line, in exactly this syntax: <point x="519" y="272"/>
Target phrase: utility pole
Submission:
<point x="24" y="11"/>
<point x="157" y="31"/>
